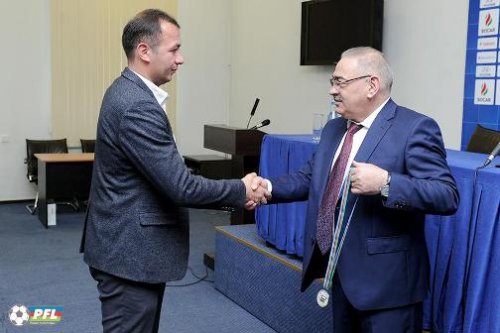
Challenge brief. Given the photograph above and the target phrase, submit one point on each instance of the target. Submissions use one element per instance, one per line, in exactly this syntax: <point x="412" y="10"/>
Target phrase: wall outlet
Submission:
<point x="4" y="138"/>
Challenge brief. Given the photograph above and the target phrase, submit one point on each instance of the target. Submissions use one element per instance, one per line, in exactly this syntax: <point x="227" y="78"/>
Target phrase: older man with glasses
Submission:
<point x="378" y="169"/>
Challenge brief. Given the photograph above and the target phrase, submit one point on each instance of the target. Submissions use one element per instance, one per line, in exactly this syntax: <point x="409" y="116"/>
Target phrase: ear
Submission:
<point x="142" y="52"/>
<point x="374" y="86"/>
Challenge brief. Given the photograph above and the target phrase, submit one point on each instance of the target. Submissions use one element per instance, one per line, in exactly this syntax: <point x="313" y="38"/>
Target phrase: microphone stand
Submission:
<point x="248" y="124"/>
<point x="257" y="100"/>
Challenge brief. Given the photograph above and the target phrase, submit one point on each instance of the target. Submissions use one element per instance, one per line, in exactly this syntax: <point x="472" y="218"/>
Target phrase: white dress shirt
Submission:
<point x="358" y="137"/>
<point x="160" y="95"/>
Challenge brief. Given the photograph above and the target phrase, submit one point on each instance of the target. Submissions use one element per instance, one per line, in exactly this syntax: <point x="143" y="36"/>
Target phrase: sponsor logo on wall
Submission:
<point x="489" y="3"/>
<point x="487" y="43"/>
<point x="484" y="92"/>
<point x="486" y="87"/>
<point x="488" y="22"/>
<point x="485" y="71"/>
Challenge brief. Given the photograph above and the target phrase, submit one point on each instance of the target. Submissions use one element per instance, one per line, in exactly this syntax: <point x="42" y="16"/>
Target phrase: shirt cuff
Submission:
<point x="269" y="185"/>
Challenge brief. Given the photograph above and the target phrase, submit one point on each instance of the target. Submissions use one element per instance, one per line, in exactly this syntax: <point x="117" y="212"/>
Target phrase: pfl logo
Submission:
<point x="19" y="315"/>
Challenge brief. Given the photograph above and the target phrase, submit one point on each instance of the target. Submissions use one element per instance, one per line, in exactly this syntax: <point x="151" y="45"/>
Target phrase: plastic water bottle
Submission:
<point x="332" y="114"/>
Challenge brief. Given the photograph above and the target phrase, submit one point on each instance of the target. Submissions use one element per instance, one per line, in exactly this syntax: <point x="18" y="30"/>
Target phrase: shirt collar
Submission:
<point x="367" y="123"/>
<point x="159" y="94"/>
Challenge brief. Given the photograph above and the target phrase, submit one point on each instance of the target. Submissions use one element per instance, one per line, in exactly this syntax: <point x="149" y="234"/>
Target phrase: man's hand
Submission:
<point x="256" y="190"/>
<point x="259" y="184"/>
<point x="367" y="178"/>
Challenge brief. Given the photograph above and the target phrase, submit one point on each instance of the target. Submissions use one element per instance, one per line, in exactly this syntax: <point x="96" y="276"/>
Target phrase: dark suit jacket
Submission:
<point x="384" y="258"/>
<point x="136" y="227"/>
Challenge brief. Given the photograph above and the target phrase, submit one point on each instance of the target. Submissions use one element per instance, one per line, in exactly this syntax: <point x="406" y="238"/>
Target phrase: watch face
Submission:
<point x="385" y="190"/>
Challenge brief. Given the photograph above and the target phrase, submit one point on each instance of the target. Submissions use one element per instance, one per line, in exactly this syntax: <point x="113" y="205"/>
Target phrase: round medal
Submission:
<point x="322" y="298"/>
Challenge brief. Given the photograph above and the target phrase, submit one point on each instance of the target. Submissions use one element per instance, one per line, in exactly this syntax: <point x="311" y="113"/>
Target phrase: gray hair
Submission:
<point x="372" y="61"/>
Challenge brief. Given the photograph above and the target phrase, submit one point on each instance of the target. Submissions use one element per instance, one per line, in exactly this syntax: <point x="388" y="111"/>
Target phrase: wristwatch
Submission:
<point x="384" y="190"/>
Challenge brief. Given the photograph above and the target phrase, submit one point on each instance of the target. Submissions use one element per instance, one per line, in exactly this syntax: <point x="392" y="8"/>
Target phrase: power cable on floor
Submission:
<point x="199" y="279"/>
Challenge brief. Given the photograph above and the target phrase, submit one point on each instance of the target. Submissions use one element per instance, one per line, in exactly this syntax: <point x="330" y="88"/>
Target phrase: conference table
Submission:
<point x="62" y="176"/>
<point x="464" y="248"/>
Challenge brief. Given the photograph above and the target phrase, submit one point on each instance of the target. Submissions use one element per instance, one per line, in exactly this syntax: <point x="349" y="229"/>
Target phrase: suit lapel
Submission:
<point x="130" y="75"/>
<point x="376" y="132"/>
<point x="371" y="141"/>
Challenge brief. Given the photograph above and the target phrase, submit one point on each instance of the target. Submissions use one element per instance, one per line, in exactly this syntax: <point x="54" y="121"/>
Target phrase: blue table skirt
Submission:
<point x="280" y="155"/>
<point x="464" y="249"/>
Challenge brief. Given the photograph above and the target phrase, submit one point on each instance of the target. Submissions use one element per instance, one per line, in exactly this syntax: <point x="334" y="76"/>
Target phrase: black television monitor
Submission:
<point x="330" y="27"/>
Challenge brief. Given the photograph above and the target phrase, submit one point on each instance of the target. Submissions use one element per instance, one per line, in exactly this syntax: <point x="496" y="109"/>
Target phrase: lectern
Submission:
<point x="244" y="146"/>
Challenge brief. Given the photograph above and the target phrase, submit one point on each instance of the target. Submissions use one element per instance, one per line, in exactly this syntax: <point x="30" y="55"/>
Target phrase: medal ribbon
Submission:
<point x="339" y="233"/>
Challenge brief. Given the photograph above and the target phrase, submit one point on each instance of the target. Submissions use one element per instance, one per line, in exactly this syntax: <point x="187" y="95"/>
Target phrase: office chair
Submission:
<point x="39" y="147"/>
<point x="483" y="140"/>
<point x="88" y="146"/>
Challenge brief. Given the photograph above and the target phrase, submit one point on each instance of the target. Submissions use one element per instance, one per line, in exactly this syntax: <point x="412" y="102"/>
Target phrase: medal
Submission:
<point x="322" y="298"/>
<point x="339" y="233"/>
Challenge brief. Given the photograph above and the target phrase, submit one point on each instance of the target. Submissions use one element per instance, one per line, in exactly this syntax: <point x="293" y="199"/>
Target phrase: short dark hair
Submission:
<point x="144" y="27"/>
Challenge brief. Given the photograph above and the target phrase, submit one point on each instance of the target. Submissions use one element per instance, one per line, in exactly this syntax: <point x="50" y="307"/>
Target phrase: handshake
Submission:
<point x="256" y="190"/>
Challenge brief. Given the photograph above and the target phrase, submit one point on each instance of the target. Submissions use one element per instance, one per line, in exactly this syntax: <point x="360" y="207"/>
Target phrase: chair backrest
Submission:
<point x="483" y="140"/>
<point x="88" y="146"/>
<point x="40" y="147"/>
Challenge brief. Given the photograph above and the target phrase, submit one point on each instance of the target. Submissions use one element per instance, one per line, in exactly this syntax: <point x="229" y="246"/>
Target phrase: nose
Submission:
<point x="180" y="59"/>
<point x="333" y="90"/>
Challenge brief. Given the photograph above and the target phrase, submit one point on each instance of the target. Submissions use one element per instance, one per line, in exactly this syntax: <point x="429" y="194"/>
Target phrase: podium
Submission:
<point x="244" y="147"/>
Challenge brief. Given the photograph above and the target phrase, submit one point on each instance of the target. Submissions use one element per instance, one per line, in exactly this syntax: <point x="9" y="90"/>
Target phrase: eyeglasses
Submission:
<point x="340" y="82"/>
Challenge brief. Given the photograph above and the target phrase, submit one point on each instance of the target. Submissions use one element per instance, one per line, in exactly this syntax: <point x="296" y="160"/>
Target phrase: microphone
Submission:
<point x="262" y="124"/>
<point x="493" y="154"/>
<point x="253" y="110"/>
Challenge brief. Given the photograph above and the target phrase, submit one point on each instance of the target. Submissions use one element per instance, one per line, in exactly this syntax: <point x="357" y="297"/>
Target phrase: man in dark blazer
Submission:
<point x="399" y="173"/>
<point x="136" y="234"/>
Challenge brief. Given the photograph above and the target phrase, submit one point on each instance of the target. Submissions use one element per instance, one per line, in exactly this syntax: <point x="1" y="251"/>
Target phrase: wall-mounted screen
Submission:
<point x="329" y="27"/>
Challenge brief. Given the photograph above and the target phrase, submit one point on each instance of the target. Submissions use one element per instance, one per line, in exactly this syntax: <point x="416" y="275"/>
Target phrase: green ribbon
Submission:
<point x="339" y="233"/>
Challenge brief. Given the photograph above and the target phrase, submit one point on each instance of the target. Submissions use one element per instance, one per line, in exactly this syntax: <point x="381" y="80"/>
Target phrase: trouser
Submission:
<point x="128" y="306"/>
<point x="347" y="319"/>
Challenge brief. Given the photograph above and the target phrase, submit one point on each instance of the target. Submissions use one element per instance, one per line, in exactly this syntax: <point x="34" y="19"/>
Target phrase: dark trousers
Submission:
<point x="128" y="306"/>
<point x="347" y="319"/>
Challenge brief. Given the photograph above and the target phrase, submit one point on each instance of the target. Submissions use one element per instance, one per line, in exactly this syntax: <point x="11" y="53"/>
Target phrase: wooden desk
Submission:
<point x="62" y="176"/>
<point x="209" y="166"/>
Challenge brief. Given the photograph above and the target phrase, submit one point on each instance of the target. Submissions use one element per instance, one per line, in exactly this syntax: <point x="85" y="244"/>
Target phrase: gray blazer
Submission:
<point x="136" y="225"/>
